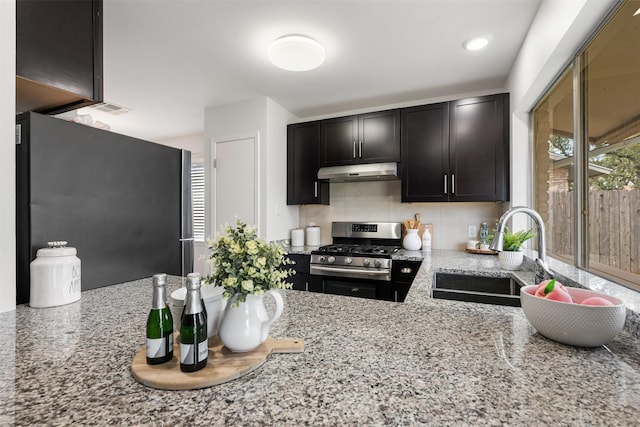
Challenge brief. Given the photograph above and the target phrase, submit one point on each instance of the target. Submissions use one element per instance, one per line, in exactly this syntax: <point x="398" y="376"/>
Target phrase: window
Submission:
<point x="197" y="195"/>
<point x="587" y="153"/>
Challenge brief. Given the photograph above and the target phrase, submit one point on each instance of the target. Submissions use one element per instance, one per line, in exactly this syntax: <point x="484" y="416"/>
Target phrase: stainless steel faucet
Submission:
<point x="542" y="270"/>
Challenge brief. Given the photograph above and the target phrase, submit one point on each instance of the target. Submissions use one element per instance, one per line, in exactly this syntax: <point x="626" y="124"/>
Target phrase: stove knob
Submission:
<point x="366" y="262"/>
<point x="348" y="260"/>
<point x="331" y="259"/>
<point x="322" y="258"/>
<point x="377" y="263"/>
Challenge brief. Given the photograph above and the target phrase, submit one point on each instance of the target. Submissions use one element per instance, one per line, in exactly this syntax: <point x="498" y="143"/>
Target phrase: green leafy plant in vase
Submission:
<point x="248" y="268"/>
<point x="511" y="257"/>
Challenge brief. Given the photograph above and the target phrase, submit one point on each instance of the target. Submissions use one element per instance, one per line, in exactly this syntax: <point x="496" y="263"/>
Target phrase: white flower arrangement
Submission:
<point x="244" y="264"/>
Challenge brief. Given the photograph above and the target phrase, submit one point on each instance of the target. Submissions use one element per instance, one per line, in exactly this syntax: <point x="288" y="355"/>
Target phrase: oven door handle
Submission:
<point x="349" y="270"/>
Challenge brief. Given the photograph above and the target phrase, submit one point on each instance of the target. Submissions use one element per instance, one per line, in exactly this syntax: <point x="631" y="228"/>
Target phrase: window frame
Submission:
<point x="581" y="157"/>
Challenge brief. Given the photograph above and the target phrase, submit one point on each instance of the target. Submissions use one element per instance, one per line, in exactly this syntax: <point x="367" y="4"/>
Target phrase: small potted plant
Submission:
<point x="511" y="256"/>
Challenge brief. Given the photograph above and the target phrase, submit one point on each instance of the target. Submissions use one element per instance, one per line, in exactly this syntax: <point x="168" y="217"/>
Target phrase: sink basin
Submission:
<point x="482" y="289"/>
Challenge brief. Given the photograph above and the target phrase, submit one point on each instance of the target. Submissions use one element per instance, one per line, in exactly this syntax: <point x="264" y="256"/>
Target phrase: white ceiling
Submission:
<point x="170" y="60"/>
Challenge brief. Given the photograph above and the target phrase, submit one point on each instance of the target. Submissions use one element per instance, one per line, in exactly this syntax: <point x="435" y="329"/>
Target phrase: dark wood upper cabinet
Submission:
<point x="425" y="153"/>
<point x="456" y="151"/>
<point x="479" y="149"/>
<point x="58" y="54"/>
<point x="303" y="187"/>
<point x="365" y="138"/>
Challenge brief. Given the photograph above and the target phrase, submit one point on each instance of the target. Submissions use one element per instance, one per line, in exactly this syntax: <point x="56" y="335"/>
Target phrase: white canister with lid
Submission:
<point x="297" y="237"/>
<point x="55" y="276"/>
<point x="312" y="235"/>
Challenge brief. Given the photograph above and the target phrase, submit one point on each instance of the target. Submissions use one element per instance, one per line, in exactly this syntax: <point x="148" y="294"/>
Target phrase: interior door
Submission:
<point x="235" y="181"/>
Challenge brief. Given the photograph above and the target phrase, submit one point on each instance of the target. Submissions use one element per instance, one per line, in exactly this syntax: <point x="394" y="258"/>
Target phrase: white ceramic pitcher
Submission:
<point x="246" y="326"/>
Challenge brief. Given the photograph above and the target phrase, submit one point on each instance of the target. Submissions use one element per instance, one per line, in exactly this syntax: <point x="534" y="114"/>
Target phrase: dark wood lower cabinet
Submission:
<point x="403" y="273"/>
<point x="301" y="279"/>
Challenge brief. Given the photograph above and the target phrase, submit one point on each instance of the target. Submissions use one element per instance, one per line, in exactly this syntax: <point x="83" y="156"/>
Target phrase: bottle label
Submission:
<point x="156" y="347"/>
<point x="188" y="356"/>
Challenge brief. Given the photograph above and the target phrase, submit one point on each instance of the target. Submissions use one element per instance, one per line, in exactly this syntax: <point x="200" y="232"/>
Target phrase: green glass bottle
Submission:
<point x="159" y="325"/>
<point x="194" y="346"/>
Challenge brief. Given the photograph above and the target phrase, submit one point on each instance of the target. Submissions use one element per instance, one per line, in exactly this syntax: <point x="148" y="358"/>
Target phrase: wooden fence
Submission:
<point x="614" y="229"/>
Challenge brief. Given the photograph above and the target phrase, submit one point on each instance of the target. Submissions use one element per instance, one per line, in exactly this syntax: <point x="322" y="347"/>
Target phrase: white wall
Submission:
<point x="280" y="217"/>
<point x="7" y="155"/>
<point x="193" y="143"/>
<point x="266" y="117"/>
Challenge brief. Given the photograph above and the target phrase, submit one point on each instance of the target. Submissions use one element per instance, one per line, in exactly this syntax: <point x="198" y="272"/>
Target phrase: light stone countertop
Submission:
<point x="366" y="362"/>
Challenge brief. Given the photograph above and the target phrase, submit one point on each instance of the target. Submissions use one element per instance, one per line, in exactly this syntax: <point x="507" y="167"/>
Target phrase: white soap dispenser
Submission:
<point x="426" y="240"/>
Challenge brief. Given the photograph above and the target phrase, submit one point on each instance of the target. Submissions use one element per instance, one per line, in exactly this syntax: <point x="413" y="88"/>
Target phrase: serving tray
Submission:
<point x="482" y="251"/>
<point x="222" y="365"/>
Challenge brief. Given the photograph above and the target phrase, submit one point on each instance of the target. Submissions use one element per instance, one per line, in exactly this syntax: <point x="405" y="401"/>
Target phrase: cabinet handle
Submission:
<point x="445" y="184"/>
<point x="453" y="184"/>
<point x="315" y="189"/>
<point x="355" y="289"/>
<point x="360" y="150"/>
<point x="293" y="262"/>
<point x="406" y="270"/>
<point x="354" y="150"/>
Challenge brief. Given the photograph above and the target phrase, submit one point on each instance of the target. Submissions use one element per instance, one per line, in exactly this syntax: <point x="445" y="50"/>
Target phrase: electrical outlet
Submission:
<point x="472" y="231"/>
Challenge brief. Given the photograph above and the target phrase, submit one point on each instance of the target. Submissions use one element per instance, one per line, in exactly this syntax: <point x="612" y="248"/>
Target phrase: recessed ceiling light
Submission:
<point x="476" y="43"/>
<point x="296" y="52"/>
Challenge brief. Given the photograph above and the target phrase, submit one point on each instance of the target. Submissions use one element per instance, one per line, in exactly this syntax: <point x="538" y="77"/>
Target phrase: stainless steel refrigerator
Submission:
<point x="123" y="203"/>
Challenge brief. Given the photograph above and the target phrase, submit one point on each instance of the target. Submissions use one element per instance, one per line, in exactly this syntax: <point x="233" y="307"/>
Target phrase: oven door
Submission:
<point x="330" y="282"/>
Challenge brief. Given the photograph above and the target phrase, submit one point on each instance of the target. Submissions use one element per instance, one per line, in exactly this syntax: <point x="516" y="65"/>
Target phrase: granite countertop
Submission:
<point x="366" y="362"/>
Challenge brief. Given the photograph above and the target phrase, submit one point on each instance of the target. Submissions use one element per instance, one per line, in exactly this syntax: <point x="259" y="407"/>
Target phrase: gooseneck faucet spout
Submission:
<point x="542" y="271"/>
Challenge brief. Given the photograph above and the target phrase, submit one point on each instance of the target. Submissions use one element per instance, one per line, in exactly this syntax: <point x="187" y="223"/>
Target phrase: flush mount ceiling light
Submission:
<point x="476" y="43"/>
<point x="296" y="52"/>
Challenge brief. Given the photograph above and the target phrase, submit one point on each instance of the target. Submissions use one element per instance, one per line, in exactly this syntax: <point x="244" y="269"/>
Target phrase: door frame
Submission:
<point x="212" y="179"/>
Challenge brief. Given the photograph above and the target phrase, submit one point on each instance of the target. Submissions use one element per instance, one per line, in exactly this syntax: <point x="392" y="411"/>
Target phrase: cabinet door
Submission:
<point x="379" y="137"/>
<point x="303" y="186"/>
<point x="338" y="141"/>
<point x="59" y="44"/>
<point x="479" y="149"/>
<point x="301" y="264"/>
<point x="425" y="153"/>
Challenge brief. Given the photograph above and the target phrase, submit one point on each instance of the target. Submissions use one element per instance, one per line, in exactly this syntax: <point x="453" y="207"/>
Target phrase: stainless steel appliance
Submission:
<point x="358" y="262"/>
<point x="124" y="203"/>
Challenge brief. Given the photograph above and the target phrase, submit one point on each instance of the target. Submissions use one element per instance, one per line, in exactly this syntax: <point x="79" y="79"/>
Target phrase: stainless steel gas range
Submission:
<point x="358" y="262"/>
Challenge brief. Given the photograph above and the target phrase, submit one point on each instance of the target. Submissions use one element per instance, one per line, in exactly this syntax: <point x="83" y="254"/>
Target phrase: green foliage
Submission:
<point x="625" y="169"/>
<point x="244" y="264"/>
<point x="623" y="162"/>
<point x="513" y="241"/>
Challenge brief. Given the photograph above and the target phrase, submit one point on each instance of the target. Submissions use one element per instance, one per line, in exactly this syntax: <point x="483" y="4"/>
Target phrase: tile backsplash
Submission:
<point x="380" y="201"/>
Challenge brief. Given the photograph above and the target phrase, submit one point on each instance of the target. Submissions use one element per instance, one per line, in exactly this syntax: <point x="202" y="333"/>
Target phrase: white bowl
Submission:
<point x="574" y="324"/>
<point x="214" y="303"/>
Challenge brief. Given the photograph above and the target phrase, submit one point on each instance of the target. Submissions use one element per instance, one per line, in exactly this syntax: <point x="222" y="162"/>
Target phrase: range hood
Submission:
<point x="363" y="172"/>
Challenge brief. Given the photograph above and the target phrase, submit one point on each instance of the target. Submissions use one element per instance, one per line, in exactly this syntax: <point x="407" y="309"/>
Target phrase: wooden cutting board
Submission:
<point x="223" y="365"/>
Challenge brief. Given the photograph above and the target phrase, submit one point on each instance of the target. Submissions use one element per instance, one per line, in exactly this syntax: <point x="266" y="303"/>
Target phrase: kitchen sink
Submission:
<point x="482" y="289"/>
